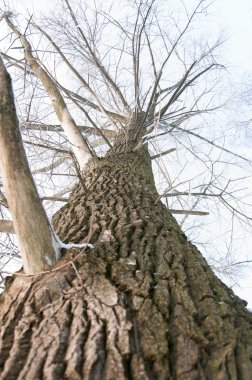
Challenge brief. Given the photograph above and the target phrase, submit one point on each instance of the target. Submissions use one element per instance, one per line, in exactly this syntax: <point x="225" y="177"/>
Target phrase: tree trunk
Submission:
<point x="34" y="233"/>
<point x="143" y="304"/>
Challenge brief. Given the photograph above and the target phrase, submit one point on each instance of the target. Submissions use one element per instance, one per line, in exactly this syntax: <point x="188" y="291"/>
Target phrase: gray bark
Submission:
<point x="143" y="304"/>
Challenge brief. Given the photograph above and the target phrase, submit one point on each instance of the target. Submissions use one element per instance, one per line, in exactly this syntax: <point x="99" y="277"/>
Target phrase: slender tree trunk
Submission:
<point x="34" y="234"/>
<point x="143" y="304"/>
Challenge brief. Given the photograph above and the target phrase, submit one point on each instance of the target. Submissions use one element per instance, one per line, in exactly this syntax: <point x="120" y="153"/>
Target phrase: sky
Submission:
<point x="235" y="19"/>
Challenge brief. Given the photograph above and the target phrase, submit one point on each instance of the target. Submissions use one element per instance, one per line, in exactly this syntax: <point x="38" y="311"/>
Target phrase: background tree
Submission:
<point x="143" y="303"/>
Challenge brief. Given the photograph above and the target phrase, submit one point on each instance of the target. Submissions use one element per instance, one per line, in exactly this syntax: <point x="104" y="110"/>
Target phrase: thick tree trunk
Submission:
<point x="143" y="304"/>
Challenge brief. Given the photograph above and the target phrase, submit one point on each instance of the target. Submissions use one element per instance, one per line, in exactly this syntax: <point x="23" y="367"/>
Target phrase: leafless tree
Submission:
<point x="100" y="99"/>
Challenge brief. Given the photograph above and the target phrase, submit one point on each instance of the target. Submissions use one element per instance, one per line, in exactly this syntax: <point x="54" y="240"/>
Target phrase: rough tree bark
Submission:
<point x="143" y="304"/>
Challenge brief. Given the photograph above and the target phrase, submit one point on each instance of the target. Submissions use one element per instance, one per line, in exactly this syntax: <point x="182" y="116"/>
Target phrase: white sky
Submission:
<point x="235" y="18"/>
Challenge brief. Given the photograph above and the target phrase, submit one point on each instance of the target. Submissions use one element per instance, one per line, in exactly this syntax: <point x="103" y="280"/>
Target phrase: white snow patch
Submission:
<point x="138" y="221"/>
<point x="131" y="262"/>
<point x="48" y="260"/>
<point x="72" y="245"/>
<point x="58" y="244"/>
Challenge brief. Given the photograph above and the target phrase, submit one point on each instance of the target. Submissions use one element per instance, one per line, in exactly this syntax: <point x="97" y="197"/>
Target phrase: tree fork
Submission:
<point x="34" y="234"/>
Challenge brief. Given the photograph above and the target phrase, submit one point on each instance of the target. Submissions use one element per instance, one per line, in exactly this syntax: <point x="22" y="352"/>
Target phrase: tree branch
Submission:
<point x="78" y="143"/>
<point x="189" y="212"/>
<point x="6" y="226"/>
<point x="98" y="64"/>
<point x="163" y="153"/>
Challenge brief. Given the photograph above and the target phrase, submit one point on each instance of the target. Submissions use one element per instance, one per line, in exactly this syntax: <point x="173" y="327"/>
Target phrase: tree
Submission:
<point x="131" y="297"/>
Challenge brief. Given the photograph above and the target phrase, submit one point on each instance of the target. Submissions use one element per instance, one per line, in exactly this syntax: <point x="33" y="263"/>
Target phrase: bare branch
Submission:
<point x="97" y="129"/>
<point x="3" y="199"/>
<point x="194" y="194"/>
<point x="189" y="212"/>
<point x="81" y="79"/>
<point x="55" y="199"/>
<point x="6" y="226"/>
<point x="50" y="167"/>
<point x="79" y="145"/>
<point x="48" y="146"/>
<point x="210" y="142"/>
<point x="163" y="153"/>
<point x="58" y="128"/>
<point x="99" y="65"/>
<point x="115" y="116"/>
